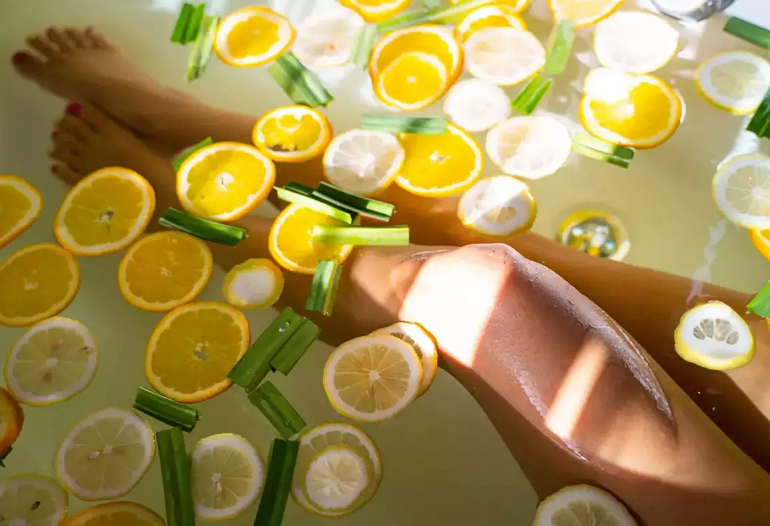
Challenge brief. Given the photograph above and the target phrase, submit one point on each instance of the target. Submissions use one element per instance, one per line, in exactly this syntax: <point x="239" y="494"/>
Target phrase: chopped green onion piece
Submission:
<point x="175" y="470"/>
<point x="253" y="366"/>
<point x="299" y="188"/>
<point x="362" y="48"/>
<point x="166" y="410"/>
<point x="300" y="84"/>
<point x="182" y="22"/>
<point x="294" y="349"/>
<point x="441" y="15"/>
<point x="760" y="305"/>
<point x="760" y="122"/>
<point x="280" y="471"/>
<point x="204" y="45"/>
<point x="360" y="235"/>
<point x="194" y="25"/>
<point x="314" y="204"/>
<point x="599" y="155"/>
<point x="603" y="146"/>
<point x="177" y="163"/>
<point x="559" y="47"/>
<point x="364" y="206"/>
<point x="323" y="290"/>
<point x="285" y="419"/>
<point x="398" y="124"/>
<point x="749" y="32"/>
<point x="308" y="191"/>
<point x="203" y="228"/>
<point x="531" y="94"/>
<point x="4" y="455"/>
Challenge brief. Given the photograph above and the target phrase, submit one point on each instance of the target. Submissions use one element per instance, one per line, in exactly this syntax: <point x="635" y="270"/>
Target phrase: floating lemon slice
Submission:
<point x="516" y="5"/>
<point x="224" y="181"/>
<point x="423" y="344"/>
<point x="740" y="190"/>
<point x="104" y="212"/>
<point x="227" y="476"/>
<point x="476" y="105"/>
<point x="376" y="10"/>
<point x="253" y="284"/>
<point x="111" y="441"/>
<point x="327" y="39"/>
<point x="252" y="36"/>
<point x="735" y="81"/>
<point x="20" y="206"/>
<point x="32" y="500"/>
<point x="498" y="206"/>
<point x="623" y="41"/>
<point x="427" y="38"/>
<point x="503" y="55"/>
<point x="52" y="362"/>
<point x="761" y="241"/>
<point x="583" y="12"/>
<point x="488" y="16"/>
<point x="38" y="282"/>
<point x="372" y="378"/>
<point x="440" y="165"/>
<point x="336" y="478"/>
<point x="164" y="270"/>
<point x="192" y="349"/>
<point x="11" y="420"/>
<point x="292" y="134"/>
<point x="413" y="81"/>
<point x="582" y="506"/>
<point x="714" y="336"/>
<point x="116" y="514"/>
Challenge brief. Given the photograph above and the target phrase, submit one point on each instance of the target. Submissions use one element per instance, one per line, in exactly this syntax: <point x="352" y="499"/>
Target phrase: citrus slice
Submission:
<point x="52" y="362"/>
<point x="516" y="5"/>
<point x="292" y="134"/>
<point x="714" y="336"/>
<point x="761" y="241"/>
<point x="164" y="270"/>
<point x="227" y="476"/>
<point x="423" y="345"/>
<point x="116" y="514"/>
<point x="291" y="240"/>
<point x="427" y="38"/>
<point x="252" y="36"/>
<point x="503" y="55"/>
<point x="192" y="349"/>
<point x="105" y="455"/>
<point x="413" y="81"/>
<point x="583" y="12"/>
<point x="488" y="16"/>
<point x="529" y="146"/>
<point x="476" y="105"/>
<point x="253" y="284"/>
<point x="32" y="500"/>
<point x="372" y="378"/>
<point x="582" y="505"/>
<point x="639" y="111"/>
<point x="440" y="165"/>
<point x="104" y="212"/>
<point x="735" y="81"/>
<point x="376" y="10"/>
<point x="11" y="420"/>
<point x="38" y="282"/>
<point x="315" y="440"/>
<point x="327" y="39"/>
<point x="498" y="206"/>
<point x="740" y="190"/>
<point x="20" y="206"/>
<point x="224" y="181"/>
<point x="336" y="478"/>
<point x="623" y="41"/>
<point x="363" y="162"/>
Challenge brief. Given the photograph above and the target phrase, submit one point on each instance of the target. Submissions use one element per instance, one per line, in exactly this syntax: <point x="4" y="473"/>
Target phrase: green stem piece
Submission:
<point x="300" y="84"/>
<point x="362" y="205"/>
<point x="531" y="94"/>
<point x="285" y="194"/>
<point x="180" y="28"/>
<point x="166" y="410"/>
<point x="439" y="15"/>
<point x="600" y="156"/>
<point x="194" y="26"/>
<point x="362" y="236"/>
<point x="398" y="124"/>
<point x="760" y="305"/>
<point x="203" y="47"/>
<point x="203" y="228"/>
<point x="177" y="163"/>
<point x="749" y="32"/>
<point x="323" y="289"/>
<point x="592" y="142"/>
<point x="175" y="471"/>
<point x="276" y="408"/>
<point x="362" y="48"/>
<point x="293" y="350"/>
<point x="280" y="471"/>
<point x="559" y="47"/>
<point x="760" y="122"/>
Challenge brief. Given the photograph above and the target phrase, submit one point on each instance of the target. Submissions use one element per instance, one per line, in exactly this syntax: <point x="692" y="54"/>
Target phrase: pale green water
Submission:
<point x="444" y="463"/>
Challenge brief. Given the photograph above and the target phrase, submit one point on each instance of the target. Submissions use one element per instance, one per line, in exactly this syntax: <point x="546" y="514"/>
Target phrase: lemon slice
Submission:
<point x="32" y="500"/>
<point x="516" y="5"/>
<point x="488" y="16"/>
<point x="423" y="344"/>
<point x="498" y="206"/>
<point x="292" y="134"/>
<point x="476" y="105"/>
<point x="224" y="181"/>
<point x="253" y="284"/>
<point x="583" y="12"/>
<point x="252" y="36"/>
<point x="531" y="147"/>
<point x="227" y="476"/>
<point x="740" y="190"/>
<point x="116" y="514"/>
<point x="735" y="81"/>
<point x="503" y="55"/>
<point x="20" y="206"/>
<point x="327" y="39"/>
<point x="426" y="38"/>
<point x="376" y="10"/>
<point x="105" y="455"/>
<point x="52" y="362"/>
<point x="164" y="270"/>
<point x="372" y="378"/>
<point x="38" y="282"/>
<point x="623" y="41"/>
<point x="413" y="81"/>
<point x="714" y="336"/>
<point x="104" y="212"/>
<point x="336" y="478"/>
<point x="363" y="162"/>
<point x="11" y="420"/>
<point x="582" y="506"/>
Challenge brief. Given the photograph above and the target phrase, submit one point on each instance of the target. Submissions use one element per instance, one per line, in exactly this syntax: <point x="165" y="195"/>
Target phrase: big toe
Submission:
<point x="27" y="64"/>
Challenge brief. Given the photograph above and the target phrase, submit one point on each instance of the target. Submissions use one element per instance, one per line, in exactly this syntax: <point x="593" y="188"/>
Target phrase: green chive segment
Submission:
<point x="531" y="94"/>
<point x="285" y="419"/>
<point x="166" y="410"/>
<point x="286" y="194"/>
<point x="203" y="47"/>
<point x="600" y="150"/>
<point x="203" y="228"/>
<point x="294" y="349"/>
<point x="300" y="84"/>
<point x="362" y="236"/>
<point x="280" y="471"/>
<point x="441" y="15"/>
<point x="362" y="205"/>
<point x="749" y="32"/>
<point x="398" y="124"/>
<point x="323" y="290"/>
<point x="760" y="305"/>
<point x="177" y="163"/>
<point x="362" y="48"/>
<point x="760" y="122"/>
<point x="175" y="470"/>
<point x="182" y="22"/>
<point x="559" y="47"/>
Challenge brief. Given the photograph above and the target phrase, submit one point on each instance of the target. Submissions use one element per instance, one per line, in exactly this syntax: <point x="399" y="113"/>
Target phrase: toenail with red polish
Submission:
<point x="73" y="108"/>
<point x="19" y="57"/>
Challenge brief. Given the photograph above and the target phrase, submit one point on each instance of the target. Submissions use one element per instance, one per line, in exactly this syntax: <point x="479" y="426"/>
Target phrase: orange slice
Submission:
<point x="376" y="10"/>
<point x="20" y="205"/>
<point x="116" y="514"/>
<point x="428" y="38"/>
<point x="761" y="241"/>
<point x="488" y="16"/>
<point x="583" y="12"/>
<point x="252" y="36"/>
<point x="292" y="134"/>
<point x="413" y="81"/>
<point x="11" y="420"/>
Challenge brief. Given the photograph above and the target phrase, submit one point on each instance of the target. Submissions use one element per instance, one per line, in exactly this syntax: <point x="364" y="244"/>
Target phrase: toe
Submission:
<point x="97" y="40"/>
<point x="66" y="148"/>
<point x="95" y="119"/>
<point x="66" y="174"/>
<point x="77" y="36"/>
<point x="75" y="126"/>
<point x="42" y="45"/>
<point x="27" y="64"/>
<point x="58" y="38"/>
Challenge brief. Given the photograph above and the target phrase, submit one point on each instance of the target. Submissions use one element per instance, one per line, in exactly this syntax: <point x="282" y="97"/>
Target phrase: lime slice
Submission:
<point x="227" y="476"/>
<point x="735" y="81"/>
<point x="741" y="190"/>
<point x="32" y="500"/>
<point x="105" y="455"/>
<point x="582" y="506"/>
<point x="53" y="361"/>
<point x="714" y="336"/>
<point x="336" y="478"/>
<point x="499" y="206"/>
<point x="423" y="344"/>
